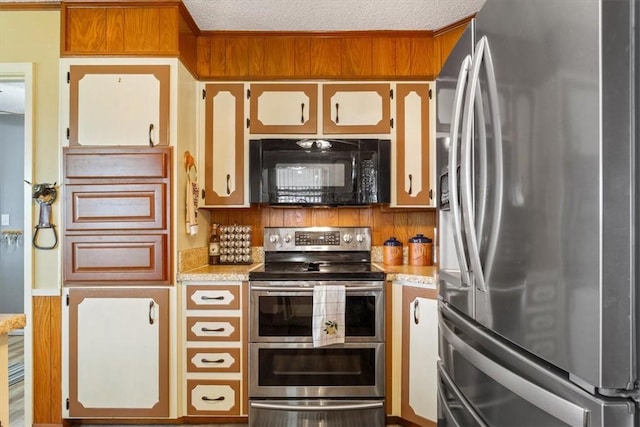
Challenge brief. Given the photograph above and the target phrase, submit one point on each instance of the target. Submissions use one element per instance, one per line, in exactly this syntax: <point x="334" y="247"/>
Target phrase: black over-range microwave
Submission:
<point x="319" y="172"/>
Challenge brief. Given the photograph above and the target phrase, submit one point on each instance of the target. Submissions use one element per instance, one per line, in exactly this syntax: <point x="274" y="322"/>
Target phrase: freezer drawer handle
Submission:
<point x="346" y="407"/>
<point x="560" y="408"/>
<point x="444" y="377"/>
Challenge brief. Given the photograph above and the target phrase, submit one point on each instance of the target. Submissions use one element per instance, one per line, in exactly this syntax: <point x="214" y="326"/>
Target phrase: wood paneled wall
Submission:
<point x="47" y="360"/>
<point x="344" y="55"/>
<point x="134" y="28"/>
<point x="165" y="28"/>
<point x="384" y="221"/>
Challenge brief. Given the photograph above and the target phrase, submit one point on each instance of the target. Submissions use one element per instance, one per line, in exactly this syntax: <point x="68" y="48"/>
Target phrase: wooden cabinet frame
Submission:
<point x="309" y="126"/>
<point x="160" y="72"/>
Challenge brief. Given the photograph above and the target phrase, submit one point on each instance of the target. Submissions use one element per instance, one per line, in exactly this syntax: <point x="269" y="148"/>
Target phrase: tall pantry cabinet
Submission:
<point x="118" y="238"/>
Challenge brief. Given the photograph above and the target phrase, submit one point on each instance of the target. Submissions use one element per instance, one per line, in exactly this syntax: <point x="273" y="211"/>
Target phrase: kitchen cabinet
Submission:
<point x="419" y="355"/>
<point x="414" y="177"/>
<point x="118" y="352"/>
<point x="224" y="145"/>
<point x="118" y="105"/>
<point x="283" y="108"/>
<point x="117" y="215"/>
<point x="215" y="348"/>
<point x="356" y="108"/>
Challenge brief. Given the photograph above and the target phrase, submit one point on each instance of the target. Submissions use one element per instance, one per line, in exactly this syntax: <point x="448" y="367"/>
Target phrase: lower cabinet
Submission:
<point x="117" y="352"/>
<point x="419" y="355"/>
<point x="214" y="349"/>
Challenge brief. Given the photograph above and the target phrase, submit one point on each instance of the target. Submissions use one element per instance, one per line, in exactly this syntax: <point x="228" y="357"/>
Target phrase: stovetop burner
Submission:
<point x="317" y="253"/>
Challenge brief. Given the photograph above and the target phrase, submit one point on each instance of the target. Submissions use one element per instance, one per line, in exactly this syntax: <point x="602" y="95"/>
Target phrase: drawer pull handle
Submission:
<point x="205" y="329"/>
<point x="206" y="298"/>
<point x="203" y="360"/>
<point x="215" y="399"/>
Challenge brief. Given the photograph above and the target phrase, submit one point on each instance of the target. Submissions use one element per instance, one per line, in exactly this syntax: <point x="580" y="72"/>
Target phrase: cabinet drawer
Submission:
<point x="213" y="360"/>
<point x="213" y="397"/>
<point x="113" y="206"/>
<point x="116" y="163"/>
<point x="116" y="258"/>
<point x="213" y="297"/>
<point x="213" y="328"/>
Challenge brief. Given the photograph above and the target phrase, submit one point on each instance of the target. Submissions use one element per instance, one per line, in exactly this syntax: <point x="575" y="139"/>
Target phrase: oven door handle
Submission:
<point x="346" y="407"/>
<point x="309" y="289"/>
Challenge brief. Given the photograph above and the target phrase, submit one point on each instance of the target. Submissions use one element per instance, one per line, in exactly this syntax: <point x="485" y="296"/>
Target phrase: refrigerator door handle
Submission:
<point x="448" y="382"/>
<point x="453" y="169"/>
<point x="466" y="185"/>
<point x="482" y="56"/>
<point x="562" y="409"/>
<point x="499" y="166"/>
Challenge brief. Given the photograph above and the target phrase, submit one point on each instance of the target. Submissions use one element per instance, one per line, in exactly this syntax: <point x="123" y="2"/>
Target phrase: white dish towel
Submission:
<point x="191" y="200"/>
<point x="328" y="314"/>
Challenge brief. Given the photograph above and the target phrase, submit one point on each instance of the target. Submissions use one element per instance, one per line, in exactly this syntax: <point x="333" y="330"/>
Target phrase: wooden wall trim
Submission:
<point x="320" y="34"/>
<point x="47" y="359"/>
<point x="30" y="6"/>
<point x="454" y="26"/>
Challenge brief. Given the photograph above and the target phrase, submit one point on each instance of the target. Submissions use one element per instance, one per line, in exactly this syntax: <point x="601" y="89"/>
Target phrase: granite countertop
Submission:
<point x="9" y="322"/>
<point x="219" y="273"/>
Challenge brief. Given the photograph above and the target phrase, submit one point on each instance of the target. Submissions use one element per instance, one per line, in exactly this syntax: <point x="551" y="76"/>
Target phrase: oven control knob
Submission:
<point x="274" y="238"/>
<point x="359" y="238"/>
<point x="287" y="238"/>
<point x="347" y="237"/>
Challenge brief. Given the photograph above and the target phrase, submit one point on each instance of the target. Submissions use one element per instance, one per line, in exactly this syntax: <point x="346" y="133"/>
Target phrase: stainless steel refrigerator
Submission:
<point x="537" y="159"/>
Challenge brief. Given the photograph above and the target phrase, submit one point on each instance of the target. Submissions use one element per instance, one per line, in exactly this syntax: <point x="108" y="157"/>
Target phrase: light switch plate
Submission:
<point x="4" y="219"/>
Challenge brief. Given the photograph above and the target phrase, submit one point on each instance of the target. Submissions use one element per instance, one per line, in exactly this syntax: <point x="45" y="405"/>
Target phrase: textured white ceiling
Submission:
<point x="328" y="15"/>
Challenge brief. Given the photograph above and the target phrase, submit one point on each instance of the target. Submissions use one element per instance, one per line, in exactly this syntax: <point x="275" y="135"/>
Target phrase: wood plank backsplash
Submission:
<point x="384" y="221"/>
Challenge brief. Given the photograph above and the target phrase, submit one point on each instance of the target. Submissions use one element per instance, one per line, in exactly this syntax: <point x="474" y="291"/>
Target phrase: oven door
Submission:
<point x="285" y="313"/>
<point x="297" y="370"/>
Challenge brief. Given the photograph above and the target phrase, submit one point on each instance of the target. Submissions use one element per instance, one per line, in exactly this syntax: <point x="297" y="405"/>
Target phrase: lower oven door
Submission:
<point x="290" y="370"/>
<point x="309" y="412"/>
<point x="284" y="313"/>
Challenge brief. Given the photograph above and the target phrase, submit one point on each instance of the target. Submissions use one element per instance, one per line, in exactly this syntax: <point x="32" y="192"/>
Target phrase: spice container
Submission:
<point x="392" y="252"/>
<point x="420" y="250"/>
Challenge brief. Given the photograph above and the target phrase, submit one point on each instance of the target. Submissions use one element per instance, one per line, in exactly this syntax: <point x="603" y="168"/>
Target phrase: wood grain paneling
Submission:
<point x="237" y="56"/>
<point x="47" y="344"/>
<point x="356" y="54"/>
<point x="279" y="57"/>
<point x="326" y="57"/>
<point x="383" y="56"/>
<point x="384" y="221"/>
<point x="142" y="28"/>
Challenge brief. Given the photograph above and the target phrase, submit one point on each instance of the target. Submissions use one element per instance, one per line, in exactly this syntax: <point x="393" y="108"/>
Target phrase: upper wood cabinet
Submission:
<point x="283" y="108"/>
<point x="117" y="215"/>
<point x="118" y="105"/>
<point x="224" y="145"/>
<point x="414" y="152"/>
<point x="356" y="108"/>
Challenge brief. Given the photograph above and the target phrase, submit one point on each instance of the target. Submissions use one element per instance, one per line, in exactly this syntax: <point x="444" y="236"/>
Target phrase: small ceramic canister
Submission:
<point x="420" y="250"/>
<point x="392" y="252"/>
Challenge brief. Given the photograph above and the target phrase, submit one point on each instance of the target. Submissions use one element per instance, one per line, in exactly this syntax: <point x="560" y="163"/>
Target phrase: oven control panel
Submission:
<point x="317" y="239"/>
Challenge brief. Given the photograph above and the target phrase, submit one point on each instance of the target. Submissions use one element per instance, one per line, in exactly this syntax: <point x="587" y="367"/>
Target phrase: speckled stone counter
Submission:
<point x="415" y="276"/>
<point x="8" y="322"/>
<point x="218" y="273"/>
<point x="426" y="276"/>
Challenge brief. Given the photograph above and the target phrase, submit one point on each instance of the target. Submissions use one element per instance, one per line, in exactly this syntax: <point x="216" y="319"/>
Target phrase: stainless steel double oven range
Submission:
<point x="291" y="382"/>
